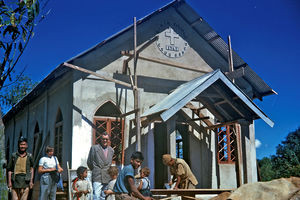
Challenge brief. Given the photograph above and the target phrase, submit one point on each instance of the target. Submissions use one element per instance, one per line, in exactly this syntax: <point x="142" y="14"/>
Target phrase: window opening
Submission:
<point x="226" y="144"/>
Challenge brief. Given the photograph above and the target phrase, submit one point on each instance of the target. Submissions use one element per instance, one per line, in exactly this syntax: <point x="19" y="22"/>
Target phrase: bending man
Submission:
<point x="181" y="172"/>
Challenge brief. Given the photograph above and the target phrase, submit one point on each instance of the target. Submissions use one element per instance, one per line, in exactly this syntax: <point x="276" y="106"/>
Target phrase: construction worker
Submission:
<point x="181" y="172"/>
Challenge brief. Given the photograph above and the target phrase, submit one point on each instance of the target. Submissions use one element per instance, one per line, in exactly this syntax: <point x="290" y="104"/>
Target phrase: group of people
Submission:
<point x="107" y="181"/>
<point x="21" y="173"/>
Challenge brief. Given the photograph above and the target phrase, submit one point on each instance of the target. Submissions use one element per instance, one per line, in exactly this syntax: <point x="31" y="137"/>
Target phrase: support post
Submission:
<point x="239" y="162"/>
<point x="230" y="59"/>
<point x="136" y="92"/>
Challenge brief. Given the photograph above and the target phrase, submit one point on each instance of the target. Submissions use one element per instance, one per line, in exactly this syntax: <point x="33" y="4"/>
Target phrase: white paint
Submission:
<point x="82" y="140"/>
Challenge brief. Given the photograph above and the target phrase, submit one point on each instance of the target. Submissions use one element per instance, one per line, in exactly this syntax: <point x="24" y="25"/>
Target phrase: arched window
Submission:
<point x="58" y="136"/>
<point x="106" y="120"/>
<point x="37" y="141"/>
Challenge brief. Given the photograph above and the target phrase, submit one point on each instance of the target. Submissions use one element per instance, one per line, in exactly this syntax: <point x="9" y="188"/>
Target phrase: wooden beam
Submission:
<point x="103" y="75"/>
<point x="229" y="100"/>
<point x="188" y="192"/>
<point x="148" y="43"/>
<point x="221" y="124"/>
<point x="164" y="62"/>
<point x="130" y="112"/>
<point x="200" y="118"/>
<point x="136" y="91"/>
<point x="236" y="73"/>
<point x="224" y="101"/>
<point x="230" y="59"/>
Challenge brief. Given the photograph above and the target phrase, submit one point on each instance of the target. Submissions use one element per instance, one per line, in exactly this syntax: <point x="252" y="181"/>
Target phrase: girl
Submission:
<point x="81" y="187"/>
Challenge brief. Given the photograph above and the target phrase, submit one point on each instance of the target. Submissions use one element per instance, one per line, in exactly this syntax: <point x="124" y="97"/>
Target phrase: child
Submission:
<point x="144" y="182"/>
<point x="81" y="187"/>
<point x="113" y="173"/>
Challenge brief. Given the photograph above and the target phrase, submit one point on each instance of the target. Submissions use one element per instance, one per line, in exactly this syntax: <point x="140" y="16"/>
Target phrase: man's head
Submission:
<point x="168" y="160"/>
<point x="22" y="144"/>
<point x="136" y="159"/>
<point x="49" y="151"/>
<point x="104" y="140"/>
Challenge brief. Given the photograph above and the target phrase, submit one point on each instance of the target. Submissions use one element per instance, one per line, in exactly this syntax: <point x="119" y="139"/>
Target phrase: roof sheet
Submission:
<point x="210" y="89"/>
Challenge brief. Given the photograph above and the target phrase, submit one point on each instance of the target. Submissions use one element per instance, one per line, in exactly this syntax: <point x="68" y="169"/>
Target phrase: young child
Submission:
<point x="81" y="187"/>
<point x="113" y="173"/>
<point x="144" y="182"/>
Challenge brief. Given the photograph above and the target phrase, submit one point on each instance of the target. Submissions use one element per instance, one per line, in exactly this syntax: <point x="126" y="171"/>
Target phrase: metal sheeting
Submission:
<point x="215" y="91"/>
<point x="205" y="31"/>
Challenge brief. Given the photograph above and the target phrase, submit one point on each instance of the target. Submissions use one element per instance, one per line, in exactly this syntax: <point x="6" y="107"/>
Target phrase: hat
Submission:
<point x="166" y="158"/>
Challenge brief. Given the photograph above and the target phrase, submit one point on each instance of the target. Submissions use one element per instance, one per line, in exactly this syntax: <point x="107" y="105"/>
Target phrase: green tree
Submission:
<point x="266" y="171"/>
<point x="11" y="95"/>
<point x="17" y="22"/>
<point x="286" y="162"/>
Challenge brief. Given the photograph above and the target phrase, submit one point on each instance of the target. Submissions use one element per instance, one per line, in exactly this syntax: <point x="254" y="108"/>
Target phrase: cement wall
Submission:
<point x="43" y="111"/>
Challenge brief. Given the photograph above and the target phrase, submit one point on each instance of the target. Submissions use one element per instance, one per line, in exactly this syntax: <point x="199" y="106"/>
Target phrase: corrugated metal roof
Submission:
<point x="210" y="89"/>
<point x="202" y="28"/>
<point x="205" y="31"/>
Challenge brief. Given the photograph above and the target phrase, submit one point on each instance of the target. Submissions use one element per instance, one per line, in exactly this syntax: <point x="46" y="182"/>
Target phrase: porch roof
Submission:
<point x="224" y="99"/>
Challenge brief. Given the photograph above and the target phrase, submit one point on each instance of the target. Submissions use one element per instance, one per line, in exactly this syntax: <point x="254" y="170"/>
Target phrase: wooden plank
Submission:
<point x="239" y="163"/>
<point x="102" y="75"/>
<point x="220" y="125"/>
<point x="136" y="91"/>
<point x="169" y="63"/>
<point x="130" y="112"/>
<point x="188" y="192"/>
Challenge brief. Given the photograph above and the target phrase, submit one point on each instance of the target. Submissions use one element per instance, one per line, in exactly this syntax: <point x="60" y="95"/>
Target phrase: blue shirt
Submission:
<point x="122" y="185"/>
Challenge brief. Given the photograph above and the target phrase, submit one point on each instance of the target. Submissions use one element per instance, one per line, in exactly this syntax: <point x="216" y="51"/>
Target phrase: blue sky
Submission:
<point x="265" y="33"/>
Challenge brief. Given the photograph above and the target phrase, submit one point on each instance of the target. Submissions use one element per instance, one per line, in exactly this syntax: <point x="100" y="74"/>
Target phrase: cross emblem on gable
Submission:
<point x="172" y="35"/>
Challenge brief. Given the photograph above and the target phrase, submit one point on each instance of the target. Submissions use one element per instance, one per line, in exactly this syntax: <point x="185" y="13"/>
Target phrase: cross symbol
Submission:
<point x="172" y="35"/>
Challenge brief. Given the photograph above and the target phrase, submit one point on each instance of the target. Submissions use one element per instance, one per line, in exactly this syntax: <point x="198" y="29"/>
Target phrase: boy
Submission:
<point x="81" y="187"/>
<point x="113" y="173"/>
<point x="124" y="186"/>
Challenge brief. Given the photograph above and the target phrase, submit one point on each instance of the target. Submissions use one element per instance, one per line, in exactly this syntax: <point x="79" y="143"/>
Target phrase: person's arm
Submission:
<point x="108" y="192"/>
<point x="134" y="190"/>
<point x="177" y="182"/>
<point x="140" y="185"/>
<point x="31" y="178"/>
<point x="41" y="170"/>
<point x="59" y="169"/>
<point x="9" y="179"/>
<point x="89" y="161"/>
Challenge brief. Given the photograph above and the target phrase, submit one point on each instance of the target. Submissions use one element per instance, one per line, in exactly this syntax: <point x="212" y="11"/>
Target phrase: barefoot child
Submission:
<point x="113" y="173"/>
<point x="81" y="187"/>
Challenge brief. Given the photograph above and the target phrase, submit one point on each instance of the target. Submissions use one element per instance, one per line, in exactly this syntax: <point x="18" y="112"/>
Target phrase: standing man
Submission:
<point x="181" y="172"/>
<point x="125" y="184"/>
<point x="20" y="171"/>
<point x="99" y="160"/>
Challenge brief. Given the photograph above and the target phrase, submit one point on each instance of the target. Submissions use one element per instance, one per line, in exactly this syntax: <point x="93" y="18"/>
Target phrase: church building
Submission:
<point x="175" y="93"/>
